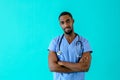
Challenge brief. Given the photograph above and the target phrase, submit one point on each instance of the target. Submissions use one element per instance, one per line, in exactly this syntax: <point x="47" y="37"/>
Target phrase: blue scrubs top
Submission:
<point x="69" y="53"/>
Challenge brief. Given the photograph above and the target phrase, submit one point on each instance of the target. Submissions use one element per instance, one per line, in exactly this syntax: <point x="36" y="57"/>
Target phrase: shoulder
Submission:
<point x="53" y="44"/>
<point x="56" y="39"/>
<point x="83" y="39"/>
<point x="86" y="44"/>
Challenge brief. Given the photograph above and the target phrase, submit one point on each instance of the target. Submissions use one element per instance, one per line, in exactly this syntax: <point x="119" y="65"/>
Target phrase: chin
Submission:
<point x="68" y="32"/>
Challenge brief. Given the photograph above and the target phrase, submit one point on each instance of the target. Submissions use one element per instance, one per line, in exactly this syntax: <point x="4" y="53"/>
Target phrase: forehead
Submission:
<point x="64" y="17"/>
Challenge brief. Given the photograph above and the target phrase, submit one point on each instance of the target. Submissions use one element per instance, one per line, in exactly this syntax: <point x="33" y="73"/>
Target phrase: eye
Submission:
<point x="61" y="22"/>
<point x="68" y="20"/>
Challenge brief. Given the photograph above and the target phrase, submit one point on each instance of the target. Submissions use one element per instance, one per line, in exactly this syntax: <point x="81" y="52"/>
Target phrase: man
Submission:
<point x="69" y="54"/>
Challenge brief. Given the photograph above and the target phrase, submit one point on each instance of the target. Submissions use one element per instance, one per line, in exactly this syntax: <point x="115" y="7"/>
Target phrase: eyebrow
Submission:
<point x="65" y="20"/>
<point x="68" y="20"/>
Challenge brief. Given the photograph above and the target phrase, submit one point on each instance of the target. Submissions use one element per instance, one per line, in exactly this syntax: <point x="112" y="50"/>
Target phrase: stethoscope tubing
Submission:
<point x="79" y="41"/>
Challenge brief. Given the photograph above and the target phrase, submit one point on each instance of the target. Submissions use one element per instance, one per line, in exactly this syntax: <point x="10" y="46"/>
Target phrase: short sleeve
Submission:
<point x="86" y="46"/>
<point x="52" y="45"/>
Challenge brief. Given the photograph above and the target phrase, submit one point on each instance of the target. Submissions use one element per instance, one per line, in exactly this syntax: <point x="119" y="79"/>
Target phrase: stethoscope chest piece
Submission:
<point x="59" y="52"/>
<point x="78" y="56"/>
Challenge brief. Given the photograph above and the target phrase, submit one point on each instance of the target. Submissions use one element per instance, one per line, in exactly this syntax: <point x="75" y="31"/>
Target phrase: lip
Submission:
<point x="67" y="28"/>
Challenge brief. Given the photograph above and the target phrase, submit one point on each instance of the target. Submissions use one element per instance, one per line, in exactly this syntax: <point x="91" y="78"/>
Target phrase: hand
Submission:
<point x="84" y="59"/>
<point x="60" y="63"/>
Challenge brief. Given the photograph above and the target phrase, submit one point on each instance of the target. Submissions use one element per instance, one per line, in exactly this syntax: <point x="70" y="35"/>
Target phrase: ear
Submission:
<point x="73" y="20"/>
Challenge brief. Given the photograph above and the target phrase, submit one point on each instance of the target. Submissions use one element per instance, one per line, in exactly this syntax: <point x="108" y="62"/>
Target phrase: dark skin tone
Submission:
<point x="55" y="65"/>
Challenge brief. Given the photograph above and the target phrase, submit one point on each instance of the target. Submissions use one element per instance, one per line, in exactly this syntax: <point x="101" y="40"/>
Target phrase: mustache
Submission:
<point x="67" y="27"/>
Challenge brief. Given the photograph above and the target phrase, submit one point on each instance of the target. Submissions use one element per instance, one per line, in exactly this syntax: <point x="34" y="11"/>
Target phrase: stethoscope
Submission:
<point x="79" y="42"/>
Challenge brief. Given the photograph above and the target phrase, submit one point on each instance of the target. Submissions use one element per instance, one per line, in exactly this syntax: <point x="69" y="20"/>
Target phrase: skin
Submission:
<point x="66" y="23"/>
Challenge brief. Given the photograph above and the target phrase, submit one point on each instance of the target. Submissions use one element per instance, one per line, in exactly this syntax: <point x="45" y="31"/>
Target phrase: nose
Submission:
<point x="66" y="24"/>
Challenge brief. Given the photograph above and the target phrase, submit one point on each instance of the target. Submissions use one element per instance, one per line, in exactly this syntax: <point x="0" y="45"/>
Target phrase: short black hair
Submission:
<point x="65" y="13"/>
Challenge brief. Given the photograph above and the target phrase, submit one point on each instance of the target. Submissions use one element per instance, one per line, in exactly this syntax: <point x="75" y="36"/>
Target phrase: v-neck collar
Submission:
<point x="72" y="40"/>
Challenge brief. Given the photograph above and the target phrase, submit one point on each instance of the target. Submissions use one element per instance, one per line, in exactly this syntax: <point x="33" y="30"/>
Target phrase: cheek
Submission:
<point x="71" y="25"/>
<point x="62" y="26"/>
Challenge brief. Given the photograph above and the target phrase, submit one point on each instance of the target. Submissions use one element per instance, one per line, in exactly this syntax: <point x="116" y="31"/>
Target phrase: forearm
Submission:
<point x="75" y="67"/>
<point x="58" y="68"/>
<point x="82" y="66"/>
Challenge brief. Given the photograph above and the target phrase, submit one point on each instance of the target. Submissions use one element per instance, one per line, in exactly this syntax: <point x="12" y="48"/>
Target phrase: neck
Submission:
<point x="70" y="37"/>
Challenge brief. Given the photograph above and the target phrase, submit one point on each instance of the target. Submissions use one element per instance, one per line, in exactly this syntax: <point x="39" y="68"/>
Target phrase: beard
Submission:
<point x="68" y="30"/>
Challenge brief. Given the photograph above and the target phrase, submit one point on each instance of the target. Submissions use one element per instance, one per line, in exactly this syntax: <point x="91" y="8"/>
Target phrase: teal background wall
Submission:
<point x="27" y="27"/>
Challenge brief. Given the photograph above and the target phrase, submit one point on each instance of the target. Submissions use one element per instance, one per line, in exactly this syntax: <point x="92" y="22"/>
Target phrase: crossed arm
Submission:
<point x="61" y="66"/>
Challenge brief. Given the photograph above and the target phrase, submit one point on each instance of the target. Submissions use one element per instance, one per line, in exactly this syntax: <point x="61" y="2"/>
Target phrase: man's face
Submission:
<point x="66" y="22"/>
